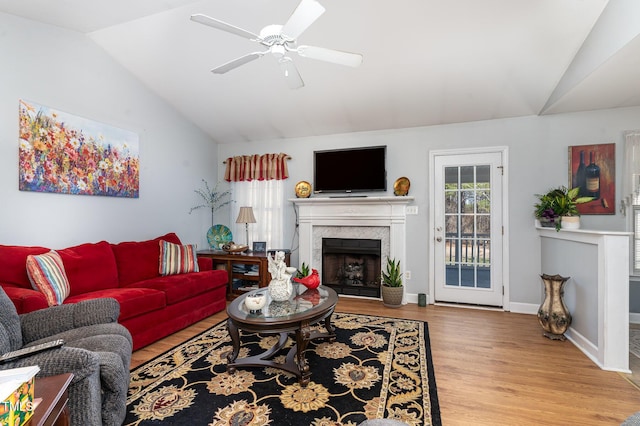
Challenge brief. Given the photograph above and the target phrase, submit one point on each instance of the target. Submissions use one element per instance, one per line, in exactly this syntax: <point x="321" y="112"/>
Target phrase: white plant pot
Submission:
<point x="570" y="222"/>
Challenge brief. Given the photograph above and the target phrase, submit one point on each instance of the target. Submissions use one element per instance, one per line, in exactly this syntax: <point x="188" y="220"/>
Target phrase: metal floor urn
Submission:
<point x="553" y="315"/>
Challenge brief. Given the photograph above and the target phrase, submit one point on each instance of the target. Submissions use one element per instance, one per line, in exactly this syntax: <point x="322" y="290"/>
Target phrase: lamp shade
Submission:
<point x="245" y="215"/>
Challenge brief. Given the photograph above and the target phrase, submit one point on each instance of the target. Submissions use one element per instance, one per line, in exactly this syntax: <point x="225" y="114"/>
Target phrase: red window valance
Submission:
<point x="260" y="167"/>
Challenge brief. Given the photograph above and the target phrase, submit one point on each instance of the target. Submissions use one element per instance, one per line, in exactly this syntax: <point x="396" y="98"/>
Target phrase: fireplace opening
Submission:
<point x="352" y="266"/>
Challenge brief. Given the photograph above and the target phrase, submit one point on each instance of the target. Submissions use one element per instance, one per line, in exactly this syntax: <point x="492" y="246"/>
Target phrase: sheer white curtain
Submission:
<point x="257" y="182"/>
<point x="266" y="197"/>
<point x="631" y="168"/>
<point x="631" y="193"/>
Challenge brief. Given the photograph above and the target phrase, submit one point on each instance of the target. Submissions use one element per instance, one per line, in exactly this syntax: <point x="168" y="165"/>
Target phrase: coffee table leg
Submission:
<point x="235" y="339"/>
<point x="302" y="340"/>
<point x="330" y="329"/>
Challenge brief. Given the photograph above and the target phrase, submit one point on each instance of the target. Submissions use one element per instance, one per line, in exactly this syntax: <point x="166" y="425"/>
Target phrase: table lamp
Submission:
<point x="245" y="215"/>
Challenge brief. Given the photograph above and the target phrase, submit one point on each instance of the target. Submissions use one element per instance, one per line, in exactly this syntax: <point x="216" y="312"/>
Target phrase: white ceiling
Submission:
<point x="425" y="62"/>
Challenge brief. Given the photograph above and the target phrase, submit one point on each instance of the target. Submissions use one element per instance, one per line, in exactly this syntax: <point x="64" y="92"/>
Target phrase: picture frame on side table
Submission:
<point x="593" y="169"/>
<point x="259" y="246"/>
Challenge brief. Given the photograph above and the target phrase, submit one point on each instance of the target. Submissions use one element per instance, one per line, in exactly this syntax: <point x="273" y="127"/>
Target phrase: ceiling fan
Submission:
<point x="281" y="41"/>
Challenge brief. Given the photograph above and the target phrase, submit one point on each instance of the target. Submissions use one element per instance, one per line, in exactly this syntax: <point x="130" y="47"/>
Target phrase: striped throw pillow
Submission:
<point x="46" y="273"/>
<point x="177" y="259"/>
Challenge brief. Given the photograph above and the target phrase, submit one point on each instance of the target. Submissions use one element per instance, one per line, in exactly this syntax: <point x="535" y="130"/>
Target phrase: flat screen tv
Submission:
<point x="350" y="170"/>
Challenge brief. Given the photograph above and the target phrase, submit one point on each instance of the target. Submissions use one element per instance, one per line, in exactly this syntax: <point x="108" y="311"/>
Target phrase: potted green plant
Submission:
<point x="559" y="203"/>
<point x="391" y="278"/>
<point x="303" y="271"/>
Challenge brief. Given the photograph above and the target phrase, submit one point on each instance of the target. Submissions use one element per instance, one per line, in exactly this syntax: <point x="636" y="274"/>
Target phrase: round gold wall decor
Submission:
<point x="303" y="189"/>
<point x="401" y="186"/>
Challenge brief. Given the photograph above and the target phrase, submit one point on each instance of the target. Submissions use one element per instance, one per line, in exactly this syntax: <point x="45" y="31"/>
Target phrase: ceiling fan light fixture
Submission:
<point x="282" y="39"/>
<point x="278" y="51"/>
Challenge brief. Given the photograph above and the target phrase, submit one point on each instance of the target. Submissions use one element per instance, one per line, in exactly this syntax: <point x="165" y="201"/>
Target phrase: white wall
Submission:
<point x="538" y="155"/>
<point x="65" y="70"/>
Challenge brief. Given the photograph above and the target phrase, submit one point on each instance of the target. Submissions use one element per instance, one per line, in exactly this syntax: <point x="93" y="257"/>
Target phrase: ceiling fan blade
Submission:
<point x="291" y="74"/>
<point x="211" y="22"/>
<point x="330" y="55"/>
<point x="237" y="62"/>
<point x="305" y="14"/>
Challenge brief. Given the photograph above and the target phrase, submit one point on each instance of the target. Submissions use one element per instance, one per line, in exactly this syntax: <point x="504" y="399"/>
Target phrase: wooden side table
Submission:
<point x="262" y="278"/>
<point x="53" y="409"/>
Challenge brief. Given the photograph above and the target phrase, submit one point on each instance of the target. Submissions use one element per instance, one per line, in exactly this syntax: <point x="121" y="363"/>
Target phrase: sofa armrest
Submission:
<point x="205" y="263"/>
<point x="56" y="319"/>
<point x="25" y="299"/>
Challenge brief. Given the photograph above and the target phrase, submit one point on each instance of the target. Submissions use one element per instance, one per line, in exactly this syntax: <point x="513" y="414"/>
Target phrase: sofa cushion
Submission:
<point x="46" y="273"/>
<point x="133" y="301"/>
<point x="177" y="259"/>
<point x="13" y="264"/>
<point x="140" y="260"/>
<point x="90" y="267"/>
<point x="181" y="287"/>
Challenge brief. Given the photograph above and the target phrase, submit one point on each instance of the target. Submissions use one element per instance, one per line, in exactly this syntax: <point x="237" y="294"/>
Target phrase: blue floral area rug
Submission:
<point x="376" y="368"/>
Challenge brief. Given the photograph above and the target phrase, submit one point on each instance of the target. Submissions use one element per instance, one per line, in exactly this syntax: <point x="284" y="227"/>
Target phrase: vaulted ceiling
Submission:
<point x="426" y="62"/>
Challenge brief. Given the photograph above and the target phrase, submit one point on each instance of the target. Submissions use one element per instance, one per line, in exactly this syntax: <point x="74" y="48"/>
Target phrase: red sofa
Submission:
<point x="151" y="306"/>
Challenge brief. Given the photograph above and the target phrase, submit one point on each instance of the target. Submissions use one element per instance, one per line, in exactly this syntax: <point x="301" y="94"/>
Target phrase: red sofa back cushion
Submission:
<point x="140" y="260"/>
<point x="13" y="264"/>
<point x="90" y="267"/>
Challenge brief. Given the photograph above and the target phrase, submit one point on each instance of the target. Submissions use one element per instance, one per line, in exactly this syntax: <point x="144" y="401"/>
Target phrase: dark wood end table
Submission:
<point x="227" y="260"/>
<point x="294" y="317"/>
<point x="53" y="409"/>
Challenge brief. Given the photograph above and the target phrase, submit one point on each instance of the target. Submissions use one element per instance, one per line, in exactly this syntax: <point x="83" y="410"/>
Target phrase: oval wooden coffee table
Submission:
<point x="295" y="317"/>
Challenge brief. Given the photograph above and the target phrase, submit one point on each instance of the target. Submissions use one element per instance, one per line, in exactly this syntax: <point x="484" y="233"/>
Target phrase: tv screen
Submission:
<point x="350" y="170"/>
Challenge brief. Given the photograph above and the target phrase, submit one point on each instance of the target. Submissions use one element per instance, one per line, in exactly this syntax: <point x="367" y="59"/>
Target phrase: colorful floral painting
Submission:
<point x="67" y="154"/>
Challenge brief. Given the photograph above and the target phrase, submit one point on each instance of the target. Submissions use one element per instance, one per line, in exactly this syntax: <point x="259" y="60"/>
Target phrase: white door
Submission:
<point x="468" y="229"/>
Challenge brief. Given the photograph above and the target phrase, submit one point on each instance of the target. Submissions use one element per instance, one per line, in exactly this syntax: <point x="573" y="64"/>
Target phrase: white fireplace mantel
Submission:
<point x="354" y="211"/>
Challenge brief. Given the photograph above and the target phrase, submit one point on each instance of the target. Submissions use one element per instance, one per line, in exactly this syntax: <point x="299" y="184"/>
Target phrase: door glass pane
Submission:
<point x="451" y="201"/>
<point x="468" y="201"/>
<point x="451" y="225"/>
<point x="468" y="226"/>
<point x="467" y="176"/>
<point x="483" y="201"/>
<point x="451" y="177"/>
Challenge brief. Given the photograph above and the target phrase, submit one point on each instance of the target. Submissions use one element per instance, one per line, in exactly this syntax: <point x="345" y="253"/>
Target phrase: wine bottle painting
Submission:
<point x="592" y="169"/>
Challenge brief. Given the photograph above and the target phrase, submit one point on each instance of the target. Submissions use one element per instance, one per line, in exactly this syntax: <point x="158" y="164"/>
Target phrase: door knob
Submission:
<point x="438" y="239"/>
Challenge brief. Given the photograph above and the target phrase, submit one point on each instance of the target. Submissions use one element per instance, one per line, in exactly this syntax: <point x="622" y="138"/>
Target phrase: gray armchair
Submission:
<point x="97" y="352"/>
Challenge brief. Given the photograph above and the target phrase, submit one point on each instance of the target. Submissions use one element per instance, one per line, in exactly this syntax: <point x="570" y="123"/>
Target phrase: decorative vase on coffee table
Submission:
<point x="553" y="315"/>
<point x="280" y="289"/>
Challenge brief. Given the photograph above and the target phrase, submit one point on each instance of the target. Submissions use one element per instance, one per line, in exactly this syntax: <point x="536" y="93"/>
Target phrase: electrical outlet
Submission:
<point x="412" y="209"/>
<point x="407" y="275"/>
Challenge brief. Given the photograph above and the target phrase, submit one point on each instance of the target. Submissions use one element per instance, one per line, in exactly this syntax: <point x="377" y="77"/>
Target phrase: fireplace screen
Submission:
<point x="352" y="266"/>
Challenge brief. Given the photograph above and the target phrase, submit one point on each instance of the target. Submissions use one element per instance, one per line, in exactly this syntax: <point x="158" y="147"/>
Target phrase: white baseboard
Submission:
<point x="634" y="317"/>
<point x="524" y="308"/>
<point x="590" y="350"/>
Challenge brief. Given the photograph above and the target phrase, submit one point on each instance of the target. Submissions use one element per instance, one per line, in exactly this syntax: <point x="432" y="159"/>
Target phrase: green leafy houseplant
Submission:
<point x="392" y="291"/>
<point x="303" y="271"/>
<point x="212" y="199"/>
<point x="392" y="277"/>
<point x="558" y="202"/>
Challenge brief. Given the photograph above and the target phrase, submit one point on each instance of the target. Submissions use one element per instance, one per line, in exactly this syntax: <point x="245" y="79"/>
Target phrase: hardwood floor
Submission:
<point x="493" y="368"/>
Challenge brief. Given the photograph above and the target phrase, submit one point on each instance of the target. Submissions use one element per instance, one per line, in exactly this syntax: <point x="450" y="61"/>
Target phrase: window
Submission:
<point x="266" y="197"/>
<point x="631" y="194"/>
